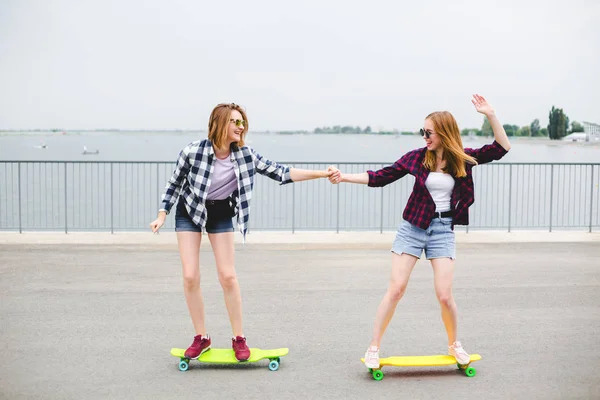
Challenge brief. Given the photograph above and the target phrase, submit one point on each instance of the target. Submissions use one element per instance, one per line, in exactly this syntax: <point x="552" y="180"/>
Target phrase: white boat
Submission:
<point x="576" y="137"/>
<point x="86" y="151"/>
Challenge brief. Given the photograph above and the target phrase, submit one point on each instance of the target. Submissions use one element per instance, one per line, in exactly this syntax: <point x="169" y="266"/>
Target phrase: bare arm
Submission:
<point x="486" y="109"/>
<point x="362" y="178"/>
<point x="299" y="175"/>
<point x="499" y="133"/>
<point x="379" y="178"/>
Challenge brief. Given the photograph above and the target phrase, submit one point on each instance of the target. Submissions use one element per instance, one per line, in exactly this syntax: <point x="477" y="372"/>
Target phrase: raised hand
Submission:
<point x="481" y="105"/>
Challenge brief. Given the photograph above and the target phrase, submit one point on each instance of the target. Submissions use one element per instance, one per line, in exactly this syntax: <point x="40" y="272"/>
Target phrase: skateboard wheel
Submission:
<point x="370" y="370"/>
<point x="470" y="372"/>
<point x="274" y="365"/>
<point x="183" y="365"/>
<point x="278" y="360"/>
<point x="378" y="374"/>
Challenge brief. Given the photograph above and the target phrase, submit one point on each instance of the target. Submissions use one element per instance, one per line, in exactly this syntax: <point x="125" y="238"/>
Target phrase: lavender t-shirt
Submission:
<point x="223" y="181"/>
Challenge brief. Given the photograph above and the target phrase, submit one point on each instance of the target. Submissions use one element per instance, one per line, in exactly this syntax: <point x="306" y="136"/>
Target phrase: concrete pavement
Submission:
<point x="96" y="319"/>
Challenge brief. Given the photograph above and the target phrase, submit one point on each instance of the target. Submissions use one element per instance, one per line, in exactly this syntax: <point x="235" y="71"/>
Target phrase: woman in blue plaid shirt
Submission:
<point x="213" y="181"/>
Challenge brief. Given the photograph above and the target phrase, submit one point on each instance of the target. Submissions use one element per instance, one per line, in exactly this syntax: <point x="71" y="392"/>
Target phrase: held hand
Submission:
<point x="335" y="176"/>
<point x="335" y="179"/>
<point x="157" y="224"/>
<point x="481" y="105"/>
<point x="332" y="171"/>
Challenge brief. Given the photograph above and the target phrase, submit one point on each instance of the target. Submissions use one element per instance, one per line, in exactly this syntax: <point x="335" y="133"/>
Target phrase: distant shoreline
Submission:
<point x="182" y="131"/>
<point x="79" y="131"/>
<point x="534" y="139"/>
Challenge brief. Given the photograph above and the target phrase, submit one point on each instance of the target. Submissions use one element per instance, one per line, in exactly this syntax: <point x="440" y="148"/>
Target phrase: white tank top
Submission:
<point x="440" y="186"/>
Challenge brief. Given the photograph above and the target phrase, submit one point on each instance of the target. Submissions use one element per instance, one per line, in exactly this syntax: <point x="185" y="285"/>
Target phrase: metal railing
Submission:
<point x="124" y="196"/>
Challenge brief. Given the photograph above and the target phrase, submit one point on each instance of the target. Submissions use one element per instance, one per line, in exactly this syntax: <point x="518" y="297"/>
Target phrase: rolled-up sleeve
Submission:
<point x="271" y="169"/>
<point x="487" y="153"/>
<point x="387" y="175"/>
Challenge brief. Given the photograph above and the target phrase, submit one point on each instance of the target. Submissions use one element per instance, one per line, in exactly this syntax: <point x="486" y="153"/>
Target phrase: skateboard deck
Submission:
<point x="422" y="361"/>
<point x="226" y="356"/>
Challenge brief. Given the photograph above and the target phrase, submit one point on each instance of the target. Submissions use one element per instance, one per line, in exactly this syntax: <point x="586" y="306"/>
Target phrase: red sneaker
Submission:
<point x="200" y="345"/>
<point x="242" y="352"/>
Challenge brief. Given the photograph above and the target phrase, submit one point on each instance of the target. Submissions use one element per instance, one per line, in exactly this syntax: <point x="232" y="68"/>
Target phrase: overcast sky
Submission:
<point x="294" y="65"/>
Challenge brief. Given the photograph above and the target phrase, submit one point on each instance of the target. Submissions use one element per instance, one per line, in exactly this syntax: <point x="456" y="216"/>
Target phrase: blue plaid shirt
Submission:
<point x="191" y="180"/>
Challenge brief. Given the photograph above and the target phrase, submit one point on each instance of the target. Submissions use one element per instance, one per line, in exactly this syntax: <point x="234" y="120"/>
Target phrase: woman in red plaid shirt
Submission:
<point x="441" y="196"/>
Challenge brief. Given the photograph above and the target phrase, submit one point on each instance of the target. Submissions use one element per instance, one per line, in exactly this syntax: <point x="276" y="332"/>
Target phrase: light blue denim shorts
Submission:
<point x="437" y="241"/>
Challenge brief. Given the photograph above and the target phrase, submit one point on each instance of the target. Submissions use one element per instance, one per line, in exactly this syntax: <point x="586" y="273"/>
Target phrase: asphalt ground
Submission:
<point x="98" y="321"/>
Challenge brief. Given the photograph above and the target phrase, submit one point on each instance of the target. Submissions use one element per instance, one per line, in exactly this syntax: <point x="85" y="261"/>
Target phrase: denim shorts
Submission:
<point x="437" y="241"/>
<point x="219" y="220"/>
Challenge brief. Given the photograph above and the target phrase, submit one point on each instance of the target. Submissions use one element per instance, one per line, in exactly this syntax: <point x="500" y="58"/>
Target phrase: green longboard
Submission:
<point x="226" y="356"/>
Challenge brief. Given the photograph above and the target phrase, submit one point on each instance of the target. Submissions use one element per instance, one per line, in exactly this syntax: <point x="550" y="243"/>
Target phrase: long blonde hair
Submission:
<point x="446" y="127"/>
<point x="218" y="124"/>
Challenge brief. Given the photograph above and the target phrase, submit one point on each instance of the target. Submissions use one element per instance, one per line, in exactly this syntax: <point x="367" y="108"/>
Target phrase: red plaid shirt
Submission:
<point x="420" y="209"/>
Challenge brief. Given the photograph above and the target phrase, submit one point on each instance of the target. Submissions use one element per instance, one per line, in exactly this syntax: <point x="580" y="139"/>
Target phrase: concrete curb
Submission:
<point x="318" y="239"/>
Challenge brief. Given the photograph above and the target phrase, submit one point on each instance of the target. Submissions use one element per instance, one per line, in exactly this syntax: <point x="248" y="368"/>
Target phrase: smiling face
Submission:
<point x="444" y="145"/>
<point x="235" y="128"/>
<point x="434" y="141"/>
<point x="227" y="124"/>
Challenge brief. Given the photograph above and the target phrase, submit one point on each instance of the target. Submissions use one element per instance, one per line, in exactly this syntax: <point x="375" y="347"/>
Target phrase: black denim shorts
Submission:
<point x="219" y="218"/>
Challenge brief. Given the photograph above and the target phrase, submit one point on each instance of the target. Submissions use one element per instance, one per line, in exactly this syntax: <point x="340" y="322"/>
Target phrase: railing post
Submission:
<point x="381" y="225"/>
<point x="65" y="165"/>
<point x="112" y="230"/>
<point x="293" y="208"/>
<point x="337" y="222"/>
<point x="19" y="181"/>
<point x="468" y="216"/>
<point x="509" y="195"/>
<point x="591" y="197"/>
<point x="551" y="197"/>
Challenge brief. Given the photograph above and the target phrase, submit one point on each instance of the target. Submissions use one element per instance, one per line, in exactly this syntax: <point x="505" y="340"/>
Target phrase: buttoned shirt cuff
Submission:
<point x="372" y="179"/>
<point x="287" y="177"/>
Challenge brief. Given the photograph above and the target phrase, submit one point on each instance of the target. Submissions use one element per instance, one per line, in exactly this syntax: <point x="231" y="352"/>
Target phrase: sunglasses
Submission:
<point x="425" y="134"/>
<point x="238" y="122"/>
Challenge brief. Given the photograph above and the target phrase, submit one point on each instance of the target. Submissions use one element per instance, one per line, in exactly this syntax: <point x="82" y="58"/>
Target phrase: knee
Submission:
<point x="445" y="298"/>
<point x="191" y="281"/>
<point x="228" y="281"/>
<point x="396" y="291"/>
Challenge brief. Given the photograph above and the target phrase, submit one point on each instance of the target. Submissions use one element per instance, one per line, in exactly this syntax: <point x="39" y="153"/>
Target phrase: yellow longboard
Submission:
<point x="422" y="361"/>
<point x="226" y="356"/>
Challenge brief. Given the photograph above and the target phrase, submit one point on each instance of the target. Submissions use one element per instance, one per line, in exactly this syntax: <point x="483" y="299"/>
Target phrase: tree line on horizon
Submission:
<point x="557" y="128"/>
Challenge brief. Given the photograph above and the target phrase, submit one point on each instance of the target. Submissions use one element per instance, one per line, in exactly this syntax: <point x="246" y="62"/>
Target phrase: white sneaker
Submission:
<point x="372" y="357"/>
<point x="461" y="356"/>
